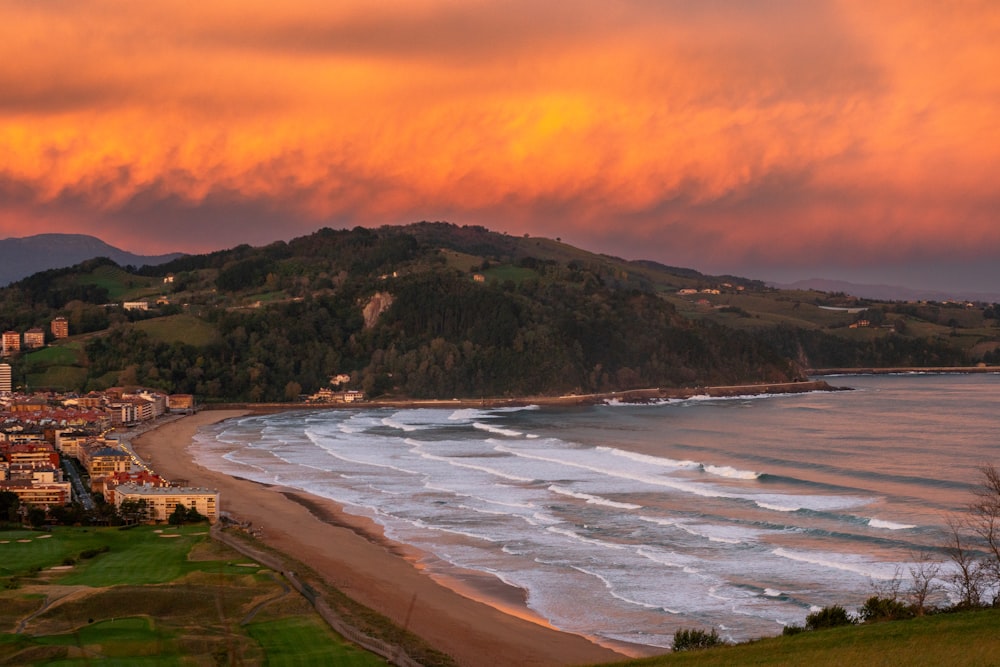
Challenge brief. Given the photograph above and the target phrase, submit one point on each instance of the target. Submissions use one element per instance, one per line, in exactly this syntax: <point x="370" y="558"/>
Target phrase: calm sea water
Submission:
<point x="627" y="522"/>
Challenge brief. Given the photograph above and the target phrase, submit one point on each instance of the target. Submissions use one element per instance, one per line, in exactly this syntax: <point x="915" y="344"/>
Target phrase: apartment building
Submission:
<point x="162" y="501"/>
<point x="59" y="327"/>
<point x="11" y="342"/>
<point x="34" y="339"/>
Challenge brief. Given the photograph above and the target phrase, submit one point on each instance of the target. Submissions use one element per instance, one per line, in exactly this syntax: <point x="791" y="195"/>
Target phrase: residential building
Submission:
<point x="92" y="400"/>
<point x="11" y="342"/>
<point x="71" y="443"/>
<point x="20" y="435"/>
<point x="162" y="501"/>
<point x="37" y="453"/>
<point x="28" y="405"/>
<point x="39" y="495"/>
<point x="5" y="378"/>
<point x="34" y="339"/>
<point x="136" y="305"/>
<point x="325" y="395"/>
<point x="143" y="409"/>
<point x="60" y="327"/>
<point x="180" y="403"/>
<point x="122" y="413"/>
<point x="139" y="478"/>
<point x="101" y="462"/>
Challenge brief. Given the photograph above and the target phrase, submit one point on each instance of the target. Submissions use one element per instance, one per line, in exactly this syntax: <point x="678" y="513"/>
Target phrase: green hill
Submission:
<point x="437" y="310"/>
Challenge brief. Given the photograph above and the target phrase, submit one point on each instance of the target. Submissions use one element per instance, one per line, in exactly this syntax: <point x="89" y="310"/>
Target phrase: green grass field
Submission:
<point x="150" y="595"/>
<point x="179" y="328"/>
<point x="58" y="378"/>
<point x="53" y="355"/>
<point x="289" y="643"/>
<point x="56" y="367"/>
<point x="968" y="639"/>
<point x="505" y="272"/>
<point x="121" y="285"/>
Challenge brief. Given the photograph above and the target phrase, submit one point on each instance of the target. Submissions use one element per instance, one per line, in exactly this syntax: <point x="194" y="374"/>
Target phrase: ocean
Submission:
<point x="624" y="523"/>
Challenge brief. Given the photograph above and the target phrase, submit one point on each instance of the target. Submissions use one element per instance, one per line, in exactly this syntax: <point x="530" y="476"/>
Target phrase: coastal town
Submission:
<point x="58" y="450"/>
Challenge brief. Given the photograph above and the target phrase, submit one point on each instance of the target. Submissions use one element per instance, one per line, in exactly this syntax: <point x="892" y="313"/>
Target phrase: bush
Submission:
<point x="790" y="630"/>
<point x="828" y="617"/>
<point x="877" y="609"/>
<point x="687" y="640"/>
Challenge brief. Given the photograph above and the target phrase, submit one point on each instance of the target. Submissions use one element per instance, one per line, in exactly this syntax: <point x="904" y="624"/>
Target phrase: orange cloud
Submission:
<point x="716" y="132"/>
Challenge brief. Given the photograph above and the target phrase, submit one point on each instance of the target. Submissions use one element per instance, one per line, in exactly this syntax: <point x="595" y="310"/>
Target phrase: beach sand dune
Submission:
<point x="482" y="626"/>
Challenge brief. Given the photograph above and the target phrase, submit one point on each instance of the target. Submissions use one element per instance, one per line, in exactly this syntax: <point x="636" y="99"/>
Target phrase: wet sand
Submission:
<point x="474" y="618"/>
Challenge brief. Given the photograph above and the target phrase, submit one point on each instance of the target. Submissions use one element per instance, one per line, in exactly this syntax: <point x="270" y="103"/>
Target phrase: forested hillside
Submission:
<point x="437" y="310"/>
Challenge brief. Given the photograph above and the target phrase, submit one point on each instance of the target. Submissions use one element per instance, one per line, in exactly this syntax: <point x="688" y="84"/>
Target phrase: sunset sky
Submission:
<point x="772" y="139"/>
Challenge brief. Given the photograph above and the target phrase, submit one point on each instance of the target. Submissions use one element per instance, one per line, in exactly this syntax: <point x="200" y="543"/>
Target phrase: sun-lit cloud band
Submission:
<point x="714" y="133"/>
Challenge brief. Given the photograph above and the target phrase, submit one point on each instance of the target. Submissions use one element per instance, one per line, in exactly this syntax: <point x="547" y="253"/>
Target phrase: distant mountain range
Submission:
<point x="886" y="292"/>
<point x="22" y="257"/>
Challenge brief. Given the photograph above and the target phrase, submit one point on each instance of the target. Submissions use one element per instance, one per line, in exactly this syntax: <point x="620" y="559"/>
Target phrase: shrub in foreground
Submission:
<point x="828" y="617"/>
<point x="687" y="640"/>
<point x="877" y="609"/>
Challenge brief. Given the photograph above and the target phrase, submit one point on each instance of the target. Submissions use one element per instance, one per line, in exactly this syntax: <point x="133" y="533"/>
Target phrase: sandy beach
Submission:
<point x="484" y="625"/>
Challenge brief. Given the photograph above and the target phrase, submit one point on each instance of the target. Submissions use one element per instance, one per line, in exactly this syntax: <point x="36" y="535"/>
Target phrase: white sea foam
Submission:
<point x="662" y="521"/>
<point x="489" y="428"/>
<point x="652" y="480"/>
<point x="670" y="559"/>
<point x="466" y="415"/>
<point x="853" y="564"/>
<point x="731" y="550"/>
<point x="610" y="587"/>
<point x="889" y="525"/>
<point x="420" y="523"/>
<point x="647" y="459"/>
<point x="418" y="447"/>
<point x="777" y="508"/>
<point x="618" y="403"/>
<point x="594" y="500"/>
<point x="732" y="473"/>
<point x="373" y="464"/>
<point x="392" y="423"/>
<point x="565" y="532"/>
<point x="712" y="532"/>
<point x="577" y="458"/>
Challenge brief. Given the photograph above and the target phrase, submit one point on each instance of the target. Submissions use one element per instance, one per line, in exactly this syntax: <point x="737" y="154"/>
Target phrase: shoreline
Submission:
<point x="567" y="400"/>
<point x="904" y="370"/>
<point x="476" y="619"/>
<point x="303" y="526"/>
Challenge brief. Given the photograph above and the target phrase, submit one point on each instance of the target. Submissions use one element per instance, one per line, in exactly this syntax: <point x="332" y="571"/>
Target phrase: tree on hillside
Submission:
<point x="985" y="520"/>
<point x="973" y="544"/>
